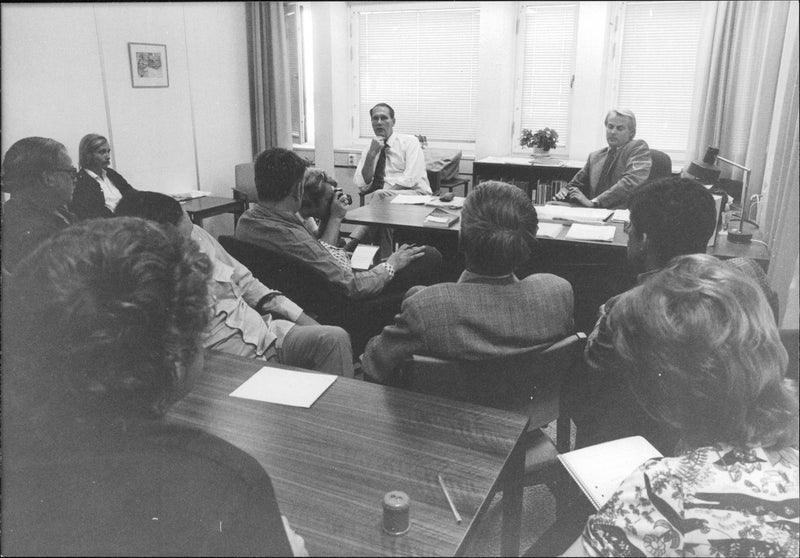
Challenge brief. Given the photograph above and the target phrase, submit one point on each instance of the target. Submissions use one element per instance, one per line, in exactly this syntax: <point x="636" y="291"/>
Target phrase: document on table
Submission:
<point x="363" y="256"/>
<point x="412" y="199"/>
<point x="285" y="387"/>
<point x="186" y="196"/>
<point x="601" y="233"/>
<point x="549" y="230"/>
<point x="456" y="203"/>
<point x="573" y="214"/>
<point x="621" y="216"/>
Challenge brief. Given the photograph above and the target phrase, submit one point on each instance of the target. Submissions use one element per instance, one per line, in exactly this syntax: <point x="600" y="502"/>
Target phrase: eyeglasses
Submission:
<point x="73" y="172"/>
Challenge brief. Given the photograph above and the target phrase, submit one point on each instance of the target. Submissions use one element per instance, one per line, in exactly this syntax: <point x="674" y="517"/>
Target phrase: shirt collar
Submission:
<point x="93" y="175"/>
<point x="470" y="277"/>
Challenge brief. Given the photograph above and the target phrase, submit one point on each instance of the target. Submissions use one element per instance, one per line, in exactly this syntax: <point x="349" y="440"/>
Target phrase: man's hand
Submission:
<point x="405" y="255"/>
<point x="577" y="197"/>
<point x="376" y="146"/>
<point x="339" y="207"/>
<point x="563" y="193"/>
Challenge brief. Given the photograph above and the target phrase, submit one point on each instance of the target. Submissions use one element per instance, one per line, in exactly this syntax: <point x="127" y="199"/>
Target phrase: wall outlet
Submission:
<point x="351" y="159"/>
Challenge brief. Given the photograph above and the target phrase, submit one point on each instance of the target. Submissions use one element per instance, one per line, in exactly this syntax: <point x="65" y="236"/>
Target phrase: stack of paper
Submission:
<point x="599" y="233"/>
<point x="411" y="199"/>
<point x="621" y="216"/>
<point x="549" y="230"/>
<point x="573" y="214"/>
<point x="186" y="196"/>
<point x="600" y="469"/>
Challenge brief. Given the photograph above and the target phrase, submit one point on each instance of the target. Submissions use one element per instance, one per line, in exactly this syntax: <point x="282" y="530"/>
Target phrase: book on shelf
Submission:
<point x="440" y="218"/>
<point x="600" y="469"/>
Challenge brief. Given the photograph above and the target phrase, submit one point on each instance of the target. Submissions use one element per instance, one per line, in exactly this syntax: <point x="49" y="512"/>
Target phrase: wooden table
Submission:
<point x="382" y="212"/>
<point x="332" y="464"/>
<point x="208" y="206"/>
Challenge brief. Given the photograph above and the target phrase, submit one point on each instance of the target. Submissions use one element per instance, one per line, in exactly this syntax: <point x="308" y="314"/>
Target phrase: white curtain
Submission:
<point x="746" y="104"/>
<point x="270" y="95"/>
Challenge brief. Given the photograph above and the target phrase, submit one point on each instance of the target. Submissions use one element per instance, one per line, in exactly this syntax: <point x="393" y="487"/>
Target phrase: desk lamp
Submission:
<point x="708" y="173"/>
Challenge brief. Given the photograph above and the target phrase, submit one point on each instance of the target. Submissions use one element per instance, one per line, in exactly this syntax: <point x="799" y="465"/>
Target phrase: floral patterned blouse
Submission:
<point x="712" y="501"/>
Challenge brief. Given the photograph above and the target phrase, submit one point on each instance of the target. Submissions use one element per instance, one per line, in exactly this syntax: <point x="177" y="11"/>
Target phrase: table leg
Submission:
<point x="512" y="502"/>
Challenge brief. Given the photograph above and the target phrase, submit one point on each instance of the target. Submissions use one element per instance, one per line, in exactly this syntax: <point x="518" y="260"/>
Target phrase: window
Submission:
<point x="293" y="17"/>
<point x="657" y="44"/>
<point x="547" y="68"/>
<point x="423" y="61"/>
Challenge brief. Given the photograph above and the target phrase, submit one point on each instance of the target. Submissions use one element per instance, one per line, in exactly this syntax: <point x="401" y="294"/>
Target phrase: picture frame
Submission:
<point x="148" y="65"/>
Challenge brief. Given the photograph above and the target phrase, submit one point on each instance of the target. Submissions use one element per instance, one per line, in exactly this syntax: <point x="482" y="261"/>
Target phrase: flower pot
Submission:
<point x="539" y="152"/>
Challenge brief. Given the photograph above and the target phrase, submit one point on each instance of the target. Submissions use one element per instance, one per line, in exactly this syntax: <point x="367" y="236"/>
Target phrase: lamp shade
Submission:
<point x="706" y="171"/>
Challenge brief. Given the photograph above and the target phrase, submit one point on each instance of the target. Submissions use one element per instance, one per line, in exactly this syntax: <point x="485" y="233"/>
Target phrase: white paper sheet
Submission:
<point x="573" y="214"/>
<point x="186" y="196"/>
<point x="363" y="256"/>
<point x="285" y="387"/>
<point x="412" y="199"/>
<point x="602" y="233"/>
<point x="549" y="230"/>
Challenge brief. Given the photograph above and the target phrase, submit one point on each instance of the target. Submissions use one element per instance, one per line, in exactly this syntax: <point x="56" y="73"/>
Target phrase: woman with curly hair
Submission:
<point x="101" y="334"/>
<point x="701" y="352"/>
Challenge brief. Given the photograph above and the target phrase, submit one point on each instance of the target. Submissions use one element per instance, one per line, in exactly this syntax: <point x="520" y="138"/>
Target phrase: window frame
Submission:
<point x="519" y="65"/>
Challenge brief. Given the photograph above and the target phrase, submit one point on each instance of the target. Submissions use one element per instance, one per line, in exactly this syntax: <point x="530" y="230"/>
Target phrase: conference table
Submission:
<point x="412" y="217"/>
<point x="332" y="464"/>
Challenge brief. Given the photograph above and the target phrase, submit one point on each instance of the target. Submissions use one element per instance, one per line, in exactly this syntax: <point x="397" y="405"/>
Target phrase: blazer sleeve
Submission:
<point x="120" y="182"/>
<point x="398" y="341"/>
<point x="636" y="171"/>
<point x="88" y="201"/>
<point x="582" y="180"/>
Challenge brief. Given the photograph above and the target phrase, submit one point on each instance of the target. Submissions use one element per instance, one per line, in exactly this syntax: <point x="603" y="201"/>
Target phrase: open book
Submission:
<point x="600" y="469"/>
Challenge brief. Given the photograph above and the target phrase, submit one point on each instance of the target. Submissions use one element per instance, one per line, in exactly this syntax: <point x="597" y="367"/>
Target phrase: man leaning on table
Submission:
<point x="613" y="173"/>
<point x="392" y="163"/>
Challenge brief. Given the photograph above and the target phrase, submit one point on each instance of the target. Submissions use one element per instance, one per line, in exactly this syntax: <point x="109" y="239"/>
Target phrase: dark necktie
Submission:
<point x="602" y="183"/>
<point x="380" y="170"/>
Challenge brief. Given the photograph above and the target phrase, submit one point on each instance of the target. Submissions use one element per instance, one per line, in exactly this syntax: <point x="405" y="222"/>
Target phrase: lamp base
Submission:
<point x="739" y="236"/>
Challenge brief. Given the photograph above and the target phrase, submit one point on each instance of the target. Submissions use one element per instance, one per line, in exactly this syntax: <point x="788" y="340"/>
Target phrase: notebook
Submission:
<point x="363" y="256"/>
<point x="600" y="469"/>
<point x="549" y="230"/>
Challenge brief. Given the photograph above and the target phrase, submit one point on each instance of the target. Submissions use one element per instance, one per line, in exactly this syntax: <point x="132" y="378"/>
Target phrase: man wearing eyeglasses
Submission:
<point x="39" y="175"/>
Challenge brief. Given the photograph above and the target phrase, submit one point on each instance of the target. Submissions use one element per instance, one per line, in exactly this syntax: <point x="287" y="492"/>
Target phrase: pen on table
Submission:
<point x="449" y="500"/>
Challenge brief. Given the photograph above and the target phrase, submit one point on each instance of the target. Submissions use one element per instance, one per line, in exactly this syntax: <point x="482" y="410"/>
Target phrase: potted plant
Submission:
<point x="542" y="141"/>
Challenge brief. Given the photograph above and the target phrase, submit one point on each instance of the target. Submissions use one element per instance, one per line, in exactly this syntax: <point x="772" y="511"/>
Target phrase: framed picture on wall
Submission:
<point x="148" y="65"/>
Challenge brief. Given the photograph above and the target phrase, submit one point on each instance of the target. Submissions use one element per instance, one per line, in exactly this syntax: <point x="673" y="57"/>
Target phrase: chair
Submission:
<point x="437" y="183"/>
<point x="310" y="289"/>
<point x="528" y="382"/>
<point x="662" y="165"/>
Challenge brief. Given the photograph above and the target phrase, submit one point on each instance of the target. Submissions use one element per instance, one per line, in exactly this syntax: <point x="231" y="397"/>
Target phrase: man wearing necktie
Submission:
<point x="611" y="174"/>
<point x="393" y="161"/>
<point x="391" y="164"/>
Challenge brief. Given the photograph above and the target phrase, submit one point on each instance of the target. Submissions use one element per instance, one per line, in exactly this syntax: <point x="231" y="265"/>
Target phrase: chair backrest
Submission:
<point x="312" y="291"/>
<point x="527" y="382"/>
<point x="294" y="278"/>
<point x="662" y="165"/>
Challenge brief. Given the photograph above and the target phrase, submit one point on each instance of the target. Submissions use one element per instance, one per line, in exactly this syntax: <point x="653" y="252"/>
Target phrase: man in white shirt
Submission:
<point x="392" y="163"/>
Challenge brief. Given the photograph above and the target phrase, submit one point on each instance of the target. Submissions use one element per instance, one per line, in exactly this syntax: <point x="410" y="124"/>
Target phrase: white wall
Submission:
<point x="66" y="73"/>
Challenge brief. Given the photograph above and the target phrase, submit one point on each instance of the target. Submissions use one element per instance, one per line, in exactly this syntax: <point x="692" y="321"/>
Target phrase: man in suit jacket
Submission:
<point x="611" y="174"/>
<point x="489" y="312"/>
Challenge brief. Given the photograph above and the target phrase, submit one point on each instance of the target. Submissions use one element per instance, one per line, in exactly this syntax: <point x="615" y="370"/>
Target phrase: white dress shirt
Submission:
<point x="405" y="165"/>
<point x="111" y="193"/>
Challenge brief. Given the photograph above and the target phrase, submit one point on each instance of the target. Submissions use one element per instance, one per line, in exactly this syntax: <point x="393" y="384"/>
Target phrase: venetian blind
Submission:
<point x="658" y="52"/>
<point x="548" y="66"/>
<point x="424" y="63"/>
